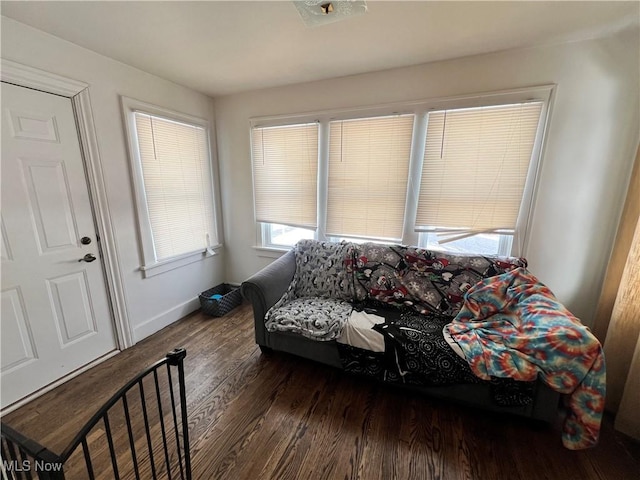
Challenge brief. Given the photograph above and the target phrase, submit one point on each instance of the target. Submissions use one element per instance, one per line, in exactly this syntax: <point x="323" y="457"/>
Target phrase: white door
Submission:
<point x="55" y="311"/>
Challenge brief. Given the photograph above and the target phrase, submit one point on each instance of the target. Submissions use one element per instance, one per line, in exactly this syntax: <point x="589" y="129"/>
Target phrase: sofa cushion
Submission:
<point x="313" y="317"/>
<point x="321" y="270"/>
<point x="425" y="280"/>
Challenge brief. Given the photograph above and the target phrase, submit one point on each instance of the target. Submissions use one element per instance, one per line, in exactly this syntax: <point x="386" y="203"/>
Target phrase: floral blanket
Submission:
<point x="512" y="326"/>
<point x="427" y="281"/>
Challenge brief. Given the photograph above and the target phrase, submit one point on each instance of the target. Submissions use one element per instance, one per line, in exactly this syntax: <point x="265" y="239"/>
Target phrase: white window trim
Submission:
<point x="150" y="265"/>
<point x="421" y="108"/>
<point x="269" y="252"/>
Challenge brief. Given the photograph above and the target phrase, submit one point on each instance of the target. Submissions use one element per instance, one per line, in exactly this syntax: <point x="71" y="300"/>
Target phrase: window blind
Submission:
<point x="177" y="183"/>
<point x="368" y="170"/>
<point x="285" y="174"/>
<point x="475" y="166"/>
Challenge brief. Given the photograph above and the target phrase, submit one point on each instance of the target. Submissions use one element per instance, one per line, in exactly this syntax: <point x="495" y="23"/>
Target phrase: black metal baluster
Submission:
<point x="183" y="412"/>
<point x="146" y="427"/>
<point x="5" y="451"/>
<point x="14" y="457"/>
<point x="87" y="459"/>
<point x="114" y="460"/>
<point x="26" y="461"/>
<point x="12" y="451"/>
<point x="162" y="428"/>
<point x="175" y="420"/>
<point x="130" y="433"/>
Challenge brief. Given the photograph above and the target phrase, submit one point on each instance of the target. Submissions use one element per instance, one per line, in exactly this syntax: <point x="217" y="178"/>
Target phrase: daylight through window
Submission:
<point x="457" y="178"/>
<point x="173" y="178"/>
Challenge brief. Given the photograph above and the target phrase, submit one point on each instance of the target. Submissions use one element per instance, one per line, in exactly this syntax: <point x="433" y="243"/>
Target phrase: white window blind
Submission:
<point x="368" y="169"/>
<point x="285" y="174"/>
<point x="475" y="167"/>
<point x="177" y="183"/>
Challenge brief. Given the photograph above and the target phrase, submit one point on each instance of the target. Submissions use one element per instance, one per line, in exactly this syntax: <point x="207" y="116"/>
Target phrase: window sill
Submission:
<point x="271" y="252"/>
<point x="153" y="269"/>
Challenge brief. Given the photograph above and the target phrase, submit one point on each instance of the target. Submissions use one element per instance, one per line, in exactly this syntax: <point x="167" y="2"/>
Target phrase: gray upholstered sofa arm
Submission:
<point x="266" y="287"/>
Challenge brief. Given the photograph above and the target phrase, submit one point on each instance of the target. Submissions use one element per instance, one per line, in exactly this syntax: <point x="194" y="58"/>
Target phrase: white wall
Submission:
<point x="153" y="302"/>
<point x="586" y="166"/>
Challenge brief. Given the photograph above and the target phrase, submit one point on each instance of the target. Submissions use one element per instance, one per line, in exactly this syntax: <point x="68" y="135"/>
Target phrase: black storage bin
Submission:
<point x="231" y="298"/>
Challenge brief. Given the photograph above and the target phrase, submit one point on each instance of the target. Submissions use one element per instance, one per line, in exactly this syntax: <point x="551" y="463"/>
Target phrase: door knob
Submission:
<point x="89" y="257"/>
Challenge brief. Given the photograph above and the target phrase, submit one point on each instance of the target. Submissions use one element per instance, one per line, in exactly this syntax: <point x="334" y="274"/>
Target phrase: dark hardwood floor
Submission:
<point x="256" y="417"/>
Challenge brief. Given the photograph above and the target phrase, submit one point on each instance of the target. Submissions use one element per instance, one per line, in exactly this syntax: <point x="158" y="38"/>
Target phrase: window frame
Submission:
<point x="267" y="237"/>
<point x="505" y="243"/>
<point x="151" y="266"/>
<point x="420" y="109"/>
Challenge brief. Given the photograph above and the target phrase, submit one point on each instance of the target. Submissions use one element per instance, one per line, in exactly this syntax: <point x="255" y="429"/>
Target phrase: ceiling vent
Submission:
<point x="321" y="12"/>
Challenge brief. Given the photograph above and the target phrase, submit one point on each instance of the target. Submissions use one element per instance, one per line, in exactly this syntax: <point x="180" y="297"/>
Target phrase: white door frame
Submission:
<point x="78" y="93"/>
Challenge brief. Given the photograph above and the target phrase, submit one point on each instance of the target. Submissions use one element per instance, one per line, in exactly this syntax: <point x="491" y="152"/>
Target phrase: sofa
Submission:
<point x="389" y="312"/>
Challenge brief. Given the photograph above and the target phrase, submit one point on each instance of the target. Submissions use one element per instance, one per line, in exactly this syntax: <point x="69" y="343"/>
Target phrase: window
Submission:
<point x="368" y="168"/>
<point x="283" y="236"/>
<point x="453" y="174"/>
<point x="474" y="170"/>
<point x="480" y="243"/>
<point x="172" y="173"/>
<point x="285" y="174"/>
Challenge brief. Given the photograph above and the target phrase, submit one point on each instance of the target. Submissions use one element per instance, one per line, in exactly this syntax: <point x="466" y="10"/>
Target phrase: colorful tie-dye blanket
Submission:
<point x="511" y="325"/>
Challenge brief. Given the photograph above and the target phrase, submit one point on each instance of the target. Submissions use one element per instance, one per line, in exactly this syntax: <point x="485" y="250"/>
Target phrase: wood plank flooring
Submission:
<point x="253" y="416"/>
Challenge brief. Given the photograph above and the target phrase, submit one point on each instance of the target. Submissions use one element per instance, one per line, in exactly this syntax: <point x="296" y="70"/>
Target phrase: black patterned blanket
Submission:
<point x="416" y="353"/>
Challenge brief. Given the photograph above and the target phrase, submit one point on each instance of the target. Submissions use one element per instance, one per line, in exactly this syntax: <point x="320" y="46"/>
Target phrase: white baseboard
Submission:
<point x="164" y="319"/>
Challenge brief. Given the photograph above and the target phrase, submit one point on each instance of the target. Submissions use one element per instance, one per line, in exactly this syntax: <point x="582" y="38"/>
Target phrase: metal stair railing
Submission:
<point x="127" y="443"/>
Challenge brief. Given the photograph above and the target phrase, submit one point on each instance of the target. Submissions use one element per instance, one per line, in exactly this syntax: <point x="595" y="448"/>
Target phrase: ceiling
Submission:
<point x="220" y="47"/>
